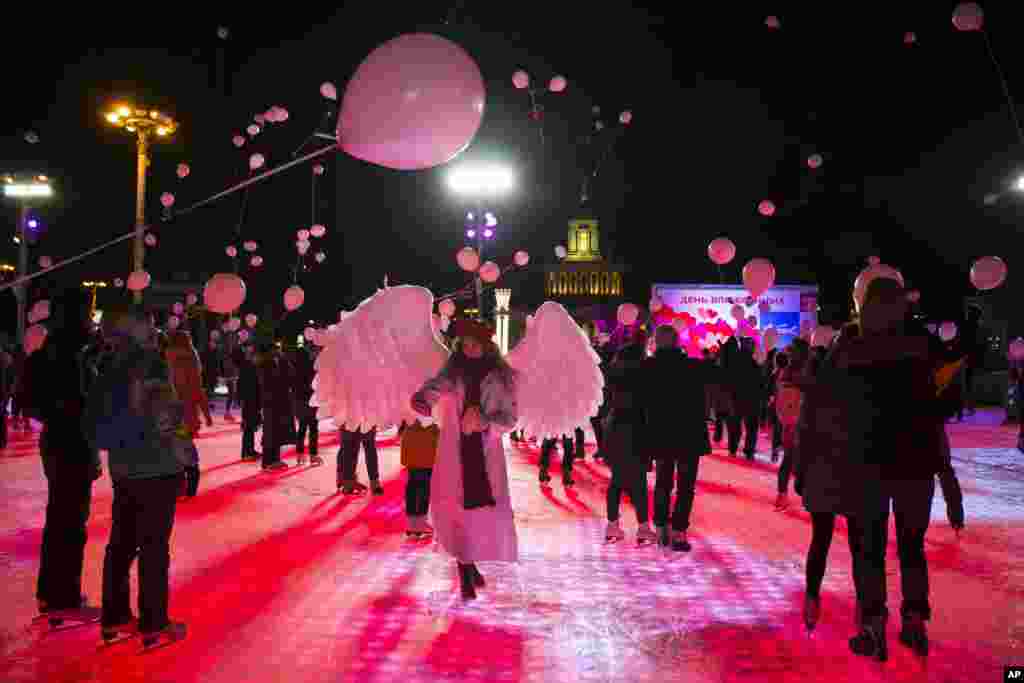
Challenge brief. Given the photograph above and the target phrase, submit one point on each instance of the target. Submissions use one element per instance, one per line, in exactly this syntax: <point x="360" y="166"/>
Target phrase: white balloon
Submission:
<point x="468" y="259"/>
<point x="490" y="272"/>
<point x="303" y="234"/>
<point x="317" y="230"/>
<point x="224" y="293"/>
<point x="178" y="308"/>
<point x="329" y="91"/>
<point x="446" y="308"/>
<point x="238" y="141"/>
<point x="294" y="297"/>
<point x="558" y="84"/>
<point x="118" y="282"/>
<point x="256" y="261"/>
<point x="45" y="262"/>
<point x="250" y="246"/>
<point x="947" y="331"/>
<point x="191" y="300"/>
<point x="309" y="333"/>
<point x="138" y="280"/>
<point x="167" y="199"/>
<point x="560" y="251"/>
<point x="1016" y="350"/>
<point x="150" y="240"/>
<point x="302" y="246"/>
<point x="253" y="130"/>
<point x="231" y="251"/>
<point x="521" y="258"/>
<point x="251" y="320"/>
<point x="256" y="161"/>
<point x="40" y="311"/>
<point x="34" y="338"/>
<point x="243" y="336"/>
<point x="320" y="257"/>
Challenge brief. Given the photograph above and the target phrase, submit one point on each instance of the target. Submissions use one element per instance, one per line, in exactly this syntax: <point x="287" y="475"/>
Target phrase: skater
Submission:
<point x="304" y="369"/>
<point x="791" y="380"/>
<point x="249" y="399"/>
<point x="348" y="460"/>
<point x="568" y="455"/>
<point x="419" y="451"/>
<point x="52" y="386"/>
<point x="187" y="377"/>
<point x="624" y="438"/>
<point x="744" y="382"/>
<point x="900" y="444"/>
<point x="127" y="417"/>
<point x="472" y="510"/>
<point x="278" y="405"/>
<point x="676" y="420"/>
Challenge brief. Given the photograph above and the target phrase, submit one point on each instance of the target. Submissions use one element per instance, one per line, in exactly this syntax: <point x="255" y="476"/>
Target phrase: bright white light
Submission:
<point x="1020" y="183"/>
<point x="28" y="190"/>
<point x="481" y="180"/>
<point x="491" y="220"/>
<point x="469" y="216"/>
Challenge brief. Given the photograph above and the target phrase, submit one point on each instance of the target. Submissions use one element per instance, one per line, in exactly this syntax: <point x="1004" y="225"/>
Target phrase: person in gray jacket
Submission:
<point x="124" y="420"/>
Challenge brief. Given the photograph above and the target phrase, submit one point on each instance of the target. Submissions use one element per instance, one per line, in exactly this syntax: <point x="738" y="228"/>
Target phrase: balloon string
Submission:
<point x="1006" y="87"/>
<point x="255" y="179"/>
<point x="130" y="235"/>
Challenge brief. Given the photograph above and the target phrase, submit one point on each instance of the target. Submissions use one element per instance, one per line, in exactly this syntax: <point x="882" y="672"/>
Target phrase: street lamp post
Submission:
<point x="480" y="183"/>
<point x="24" y="192"/>
<point x="146" y="126"/>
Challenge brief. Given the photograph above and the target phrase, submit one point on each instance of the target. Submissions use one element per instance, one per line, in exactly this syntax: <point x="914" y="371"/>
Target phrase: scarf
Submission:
<point x="476" y="485"/>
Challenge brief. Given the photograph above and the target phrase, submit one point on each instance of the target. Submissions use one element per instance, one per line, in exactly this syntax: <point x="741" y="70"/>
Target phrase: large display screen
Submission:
<point x="707" y="315"/>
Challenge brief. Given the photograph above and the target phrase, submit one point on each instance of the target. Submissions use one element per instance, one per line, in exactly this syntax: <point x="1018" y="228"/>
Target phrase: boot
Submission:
<point x="812" y="611"/>
<point x="645" y="535"/>
<point x="680" y="543"/>
<point x="478" y="578"/>
<point x="871" y="642"/>
<point x="466" y="581"/>
<point x="914" y="635"/>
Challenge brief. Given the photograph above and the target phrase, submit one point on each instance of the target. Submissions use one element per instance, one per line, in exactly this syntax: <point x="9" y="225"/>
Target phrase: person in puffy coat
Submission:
<point x="187" y="379"/>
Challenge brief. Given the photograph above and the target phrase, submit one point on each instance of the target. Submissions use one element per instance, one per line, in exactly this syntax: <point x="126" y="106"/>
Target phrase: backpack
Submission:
<point x="787" y="404"/>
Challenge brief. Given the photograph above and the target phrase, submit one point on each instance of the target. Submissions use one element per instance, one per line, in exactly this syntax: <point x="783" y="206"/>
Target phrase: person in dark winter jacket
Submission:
<point x="125" y="418"/>
<point x="278" y="404"/>
<point x="305" y="371"/>
<point x="52" y="392"/>
<point x="676" y="428"/>
<point x="624" y="438"/>
<point x="249" y="398"/>
<point x="896" y="446"/>
<point x="743" y="381"/>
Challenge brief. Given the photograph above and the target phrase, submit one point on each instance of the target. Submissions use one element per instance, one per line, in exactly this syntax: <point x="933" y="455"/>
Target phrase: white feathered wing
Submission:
<point x="559" y="385"/>
<point x="376" y="358"/>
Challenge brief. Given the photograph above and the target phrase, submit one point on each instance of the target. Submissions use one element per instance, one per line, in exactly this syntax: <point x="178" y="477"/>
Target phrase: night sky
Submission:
<point x="726" y="112"/>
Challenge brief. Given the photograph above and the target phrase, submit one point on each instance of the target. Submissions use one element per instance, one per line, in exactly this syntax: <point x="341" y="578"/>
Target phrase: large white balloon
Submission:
<point x="224" y="293"/>
<point x="721" y="251"/>
<point x="294" y="297"/>
<point x="138" y="281"/>
<point x="758" y="276"/>
<point x="988" y="272"/>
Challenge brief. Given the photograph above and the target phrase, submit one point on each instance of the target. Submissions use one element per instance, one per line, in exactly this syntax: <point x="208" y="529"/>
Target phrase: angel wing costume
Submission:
<point x="386" y="355"/>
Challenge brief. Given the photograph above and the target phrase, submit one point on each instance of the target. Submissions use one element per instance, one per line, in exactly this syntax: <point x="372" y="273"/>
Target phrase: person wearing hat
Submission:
<point x="471" y="507"/>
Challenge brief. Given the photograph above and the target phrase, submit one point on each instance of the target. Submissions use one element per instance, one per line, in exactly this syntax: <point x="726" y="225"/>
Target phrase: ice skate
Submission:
<point x="645" y="535"/>
<point x="168" y="635"/>
<point x="680" y="543"/>
<point x="914" y="635"/>
<point x="663" y="535"/>
<point x="300" y="458"/>
<point x="614" y="533"/>
<point x="315" y="460"/>
<point x="119" y="633"/>
<point x="63" y="619"/>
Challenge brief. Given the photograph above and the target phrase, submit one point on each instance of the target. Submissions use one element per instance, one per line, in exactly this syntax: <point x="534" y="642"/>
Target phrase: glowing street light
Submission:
<point x="481" y="181"/>
<point x="1020" y="184"/>
<point x="143" y="124"/>
<point x="25" y="192"/>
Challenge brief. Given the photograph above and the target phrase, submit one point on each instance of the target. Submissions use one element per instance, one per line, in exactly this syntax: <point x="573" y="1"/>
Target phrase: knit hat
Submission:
<point x="482" y="332"/>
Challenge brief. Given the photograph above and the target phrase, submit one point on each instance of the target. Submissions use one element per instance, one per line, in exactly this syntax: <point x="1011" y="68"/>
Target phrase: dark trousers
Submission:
<point x="679" y="470"/>
<point x="68" y="499"/>
<point x="911" y="503"/>
<point x="3" y="422"/>
<point x="748" y="423"/>
<point x="785" y="471"/>
<point x="271" y="453"/>
<point x="720" y="419"/>
<point x="308" y="422"/>
<point x="629" y="471"/>
<point x="596" y="423"/>
<point x="232" y="394"/>
<point x="143" y="516"/>
<point x="776" y="430"/>
<point x="348" y="456"/>
<point x="192" y="481"/>
<point x="417" y="492"/>
<point x="248" y="440"/>
<point x="568" y="454"/>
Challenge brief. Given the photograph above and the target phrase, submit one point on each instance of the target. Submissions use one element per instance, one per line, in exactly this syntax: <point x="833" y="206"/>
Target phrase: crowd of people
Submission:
<point x="859" y="428"/>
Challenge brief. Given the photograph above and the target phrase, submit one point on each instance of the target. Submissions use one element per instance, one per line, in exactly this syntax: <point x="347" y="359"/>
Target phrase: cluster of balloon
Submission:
<point x="627" y="314"/>
<point x="521" y="81"/>
<point x="721" y="251"/>
<point x="758" y="276"/>
<point x="988" y="272"/>
<point x="875" y="269"/>
<point x="224" y="293"/>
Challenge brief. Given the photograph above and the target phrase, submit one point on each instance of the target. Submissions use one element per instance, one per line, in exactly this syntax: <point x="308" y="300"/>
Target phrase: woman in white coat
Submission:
<point x="469" y="496"/>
